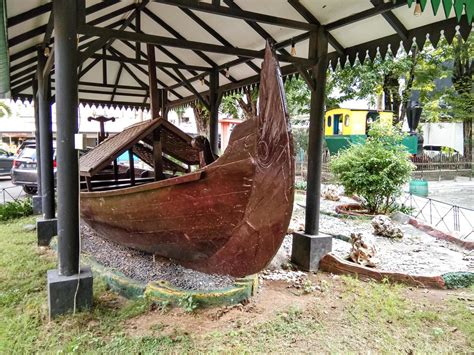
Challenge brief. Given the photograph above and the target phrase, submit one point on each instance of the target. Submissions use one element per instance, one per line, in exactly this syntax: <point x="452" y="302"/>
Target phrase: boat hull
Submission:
<point x="229" y="217"/>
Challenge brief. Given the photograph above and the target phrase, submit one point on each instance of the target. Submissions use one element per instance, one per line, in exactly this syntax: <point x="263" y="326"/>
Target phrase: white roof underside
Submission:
<point x="235" y="31"/>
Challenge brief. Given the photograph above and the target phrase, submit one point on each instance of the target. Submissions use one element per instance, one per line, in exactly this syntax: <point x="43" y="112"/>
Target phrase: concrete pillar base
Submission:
<point x="46" y="229"/>
<point x="308" y="250"/>
<point x="37" y="205"/>
<point x="63" y="291"/>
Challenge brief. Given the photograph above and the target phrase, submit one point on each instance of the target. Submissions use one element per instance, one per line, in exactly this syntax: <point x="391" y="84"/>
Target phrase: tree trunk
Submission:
<point x="467" y="128"/>
<point x="249" y="107"/>
<point x="201" y="114"/>
<point x="463" y="71"/>
<point x="411" y="78"/>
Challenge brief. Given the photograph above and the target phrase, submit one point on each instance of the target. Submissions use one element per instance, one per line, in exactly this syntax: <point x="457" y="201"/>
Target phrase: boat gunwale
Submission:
<point x="178" y="180"/>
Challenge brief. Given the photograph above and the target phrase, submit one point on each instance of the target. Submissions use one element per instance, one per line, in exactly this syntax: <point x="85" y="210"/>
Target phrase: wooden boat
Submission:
<point x="228" y="217"/>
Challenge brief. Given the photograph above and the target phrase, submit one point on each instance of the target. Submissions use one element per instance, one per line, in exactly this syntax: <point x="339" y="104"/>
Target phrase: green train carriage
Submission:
<point x="343" y="127"/>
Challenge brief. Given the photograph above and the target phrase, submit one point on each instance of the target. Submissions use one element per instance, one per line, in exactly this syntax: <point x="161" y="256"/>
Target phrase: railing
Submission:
<point x="445" y="216"/>
<point x="11" y="193"/>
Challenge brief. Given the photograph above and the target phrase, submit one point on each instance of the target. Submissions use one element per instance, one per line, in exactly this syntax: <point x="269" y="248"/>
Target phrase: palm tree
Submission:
<point x="5" y="110"/>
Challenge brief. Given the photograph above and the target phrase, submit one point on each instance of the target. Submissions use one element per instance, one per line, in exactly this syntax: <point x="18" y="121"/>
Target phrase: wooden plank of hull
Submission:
<point x="232" y="219"/>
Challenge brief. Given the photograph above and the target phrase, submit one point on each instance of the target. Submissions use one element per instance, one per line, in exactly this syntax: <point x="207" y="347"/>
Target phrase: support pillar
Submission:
<point x="69" y="288"/>
<point x="37" y="203"/>
<point x="154" y="96"/>
<point x="310" y="246"/>
<point x="46" y="227"/>
<point x="214" y="101"/>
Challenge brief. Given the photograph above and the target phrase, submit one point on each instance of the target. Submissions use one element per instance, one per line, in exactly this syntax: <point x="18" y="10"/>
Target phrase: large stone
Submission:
<point x="308" y="250"/>
<point x="65" y="291"/>
<point x="331" y="193"/>
<point x="384" y="227"/>
<point x="45" y="230"/>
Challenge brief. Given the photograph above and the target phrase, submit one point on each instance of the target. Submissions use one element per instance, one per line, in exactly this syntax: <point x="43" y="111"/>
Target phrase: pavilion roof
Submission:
<point x="193" y="37"/>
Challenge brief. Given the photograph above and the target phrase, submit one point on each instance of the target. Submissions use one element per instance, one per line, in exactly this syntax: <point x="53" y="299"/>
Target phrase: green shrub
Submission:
<point x="300" y="185"/>
<point x="16" y="209"/>
<point x="376" y="170"/>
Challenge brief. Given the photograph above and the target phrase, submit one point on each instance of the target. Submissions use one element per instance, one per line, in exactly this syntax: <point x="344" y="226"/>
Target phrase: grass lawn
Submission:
<point x="347" y="315"/>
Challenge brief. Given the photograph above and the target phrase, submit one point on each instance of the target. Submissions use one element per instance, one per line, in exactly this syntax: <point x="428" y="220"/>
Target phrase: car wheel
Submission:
<point x="30" y="190"/>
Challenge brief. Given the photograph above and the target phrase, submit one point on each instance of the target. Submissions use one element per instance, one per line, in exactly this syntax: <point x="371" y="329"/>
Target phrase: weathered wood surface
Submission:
<point x="231" y="216"/>
<point x="336" y="265"/>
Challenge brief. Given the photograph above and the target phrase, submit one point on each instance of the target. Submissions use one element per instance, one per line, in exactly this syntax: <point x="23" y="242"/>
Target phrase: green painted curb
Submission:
<point x="163" y="291"/>
<point x="458" y="279"/>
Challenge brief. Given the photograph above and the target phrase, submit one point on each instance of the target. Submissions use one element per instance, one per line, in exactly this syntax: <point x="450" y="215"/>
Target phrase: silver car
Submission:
<point x="6" y="162"/>
<point x="24" y="171"/>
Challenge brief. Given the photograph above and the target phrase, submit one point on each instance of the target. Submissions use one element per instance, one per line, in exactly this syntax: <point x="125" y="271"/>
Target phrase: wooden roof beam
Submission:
<point x="308" y="16"/>
<point x="378" y="10"/>
<point x="178" y="43"/>
<point x="162" y="49"/>
<point x="393" y="21"/>
<point x="215" y="34"/>
<point x="176" y="34"/>
<point x="144" y="62"/>
<point x="238" y="13"/>
<point x="108" y="40"/>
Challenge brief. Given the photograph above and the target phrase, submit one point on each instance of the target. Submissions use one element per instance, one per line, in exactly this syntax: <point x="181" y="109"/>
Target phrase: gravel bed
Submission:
<point x="417" y="253"/>
<point x="141" y="267"/>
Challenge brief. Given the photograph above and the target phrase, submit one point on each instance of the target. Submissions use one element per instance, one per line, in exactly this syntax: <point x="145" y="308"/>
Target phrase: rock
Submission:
<point x="280" y="259"/>
<point x="29" y="227"/>
<point x="361" y="252"/>
<point x="400" y="217"/>
<point x="331" y="193"/>
<point x="384" y="227"/>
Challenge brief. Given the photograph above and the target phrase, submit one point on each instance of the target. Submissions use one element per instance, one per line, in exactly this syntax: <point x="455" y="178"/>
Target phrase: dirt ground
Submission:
<point x="275" y="298"/>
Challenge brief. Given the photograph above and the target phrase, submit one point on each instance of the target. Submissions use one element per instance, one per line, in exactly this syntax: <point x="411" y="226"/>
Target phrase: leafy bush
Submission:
<point x="376" y="170"/>
<point x="16" y="209"/>
<point x="300" y="185"/>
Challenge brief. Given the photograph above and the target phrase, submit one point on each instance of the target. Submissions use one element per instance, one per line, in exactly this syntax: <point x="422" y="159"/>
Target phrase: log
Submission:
<point x="333" y="264"/>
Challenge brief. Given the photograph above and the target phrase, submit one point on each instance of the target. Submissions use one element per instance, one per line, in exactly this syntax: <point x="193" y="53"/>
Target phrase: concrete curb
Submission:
<point x="163" y="291"/>
<point x="429" y="229"/>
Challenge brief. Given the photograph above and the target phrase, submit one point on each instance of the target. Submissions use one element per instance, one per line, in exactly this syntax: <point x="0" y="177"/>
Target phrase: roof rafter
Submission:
<point x="214" y="34"/>
<point x="308" y="16"/>
<point x="378" y="10"/>
<point x="106" y="41"/>
<point x="240" y="14"/>
<point x="176" y="34"/>
<point x="159" y="64"/>
<point x="393" y="21"/>
<point x="178" y="43"/>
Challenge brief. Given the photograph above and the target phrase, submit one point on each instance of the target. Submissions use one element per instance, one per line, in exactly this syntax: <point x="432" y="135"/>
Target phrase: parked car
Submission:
<point x="6" y="162"/>
<point x="24" y="171"/>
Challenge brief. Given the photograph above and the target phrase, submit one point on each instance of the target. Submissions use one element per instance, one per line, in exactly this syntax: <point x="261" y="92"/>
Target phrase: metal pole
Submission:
<point x="37" y="135"/>
<point x="214" y="114"/>
<point x="65" y="45"/>
<point x="46" y="140"/>
<point x="318" y="49"/>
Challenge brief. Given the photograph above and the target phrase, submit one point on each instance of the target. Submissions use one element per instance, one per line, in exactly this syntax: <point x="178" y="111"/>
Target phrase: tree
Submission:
<point x="5" y="109"/>
<point x="376" y="170"/>
<point x="455" y="102"/>
<point x="463" y="71"/>
<point x="202" y="116"/>
<point x="245" y="103"/>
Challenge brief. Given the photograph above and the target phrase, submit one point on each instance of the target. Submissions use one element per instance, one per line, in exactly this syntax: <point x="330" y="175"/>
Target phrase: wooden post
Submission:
<point x="115" y="171"/>
<point x="132" y="167"/>
<point x="66" y="63"/>
<point x="154" y="98"/>
<point x="309" y="247"/>
<point x="214" y="111"/>
<point x="46" y="139"/>
<point x="158" y="155"/>
<point x="318" y="49"/>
